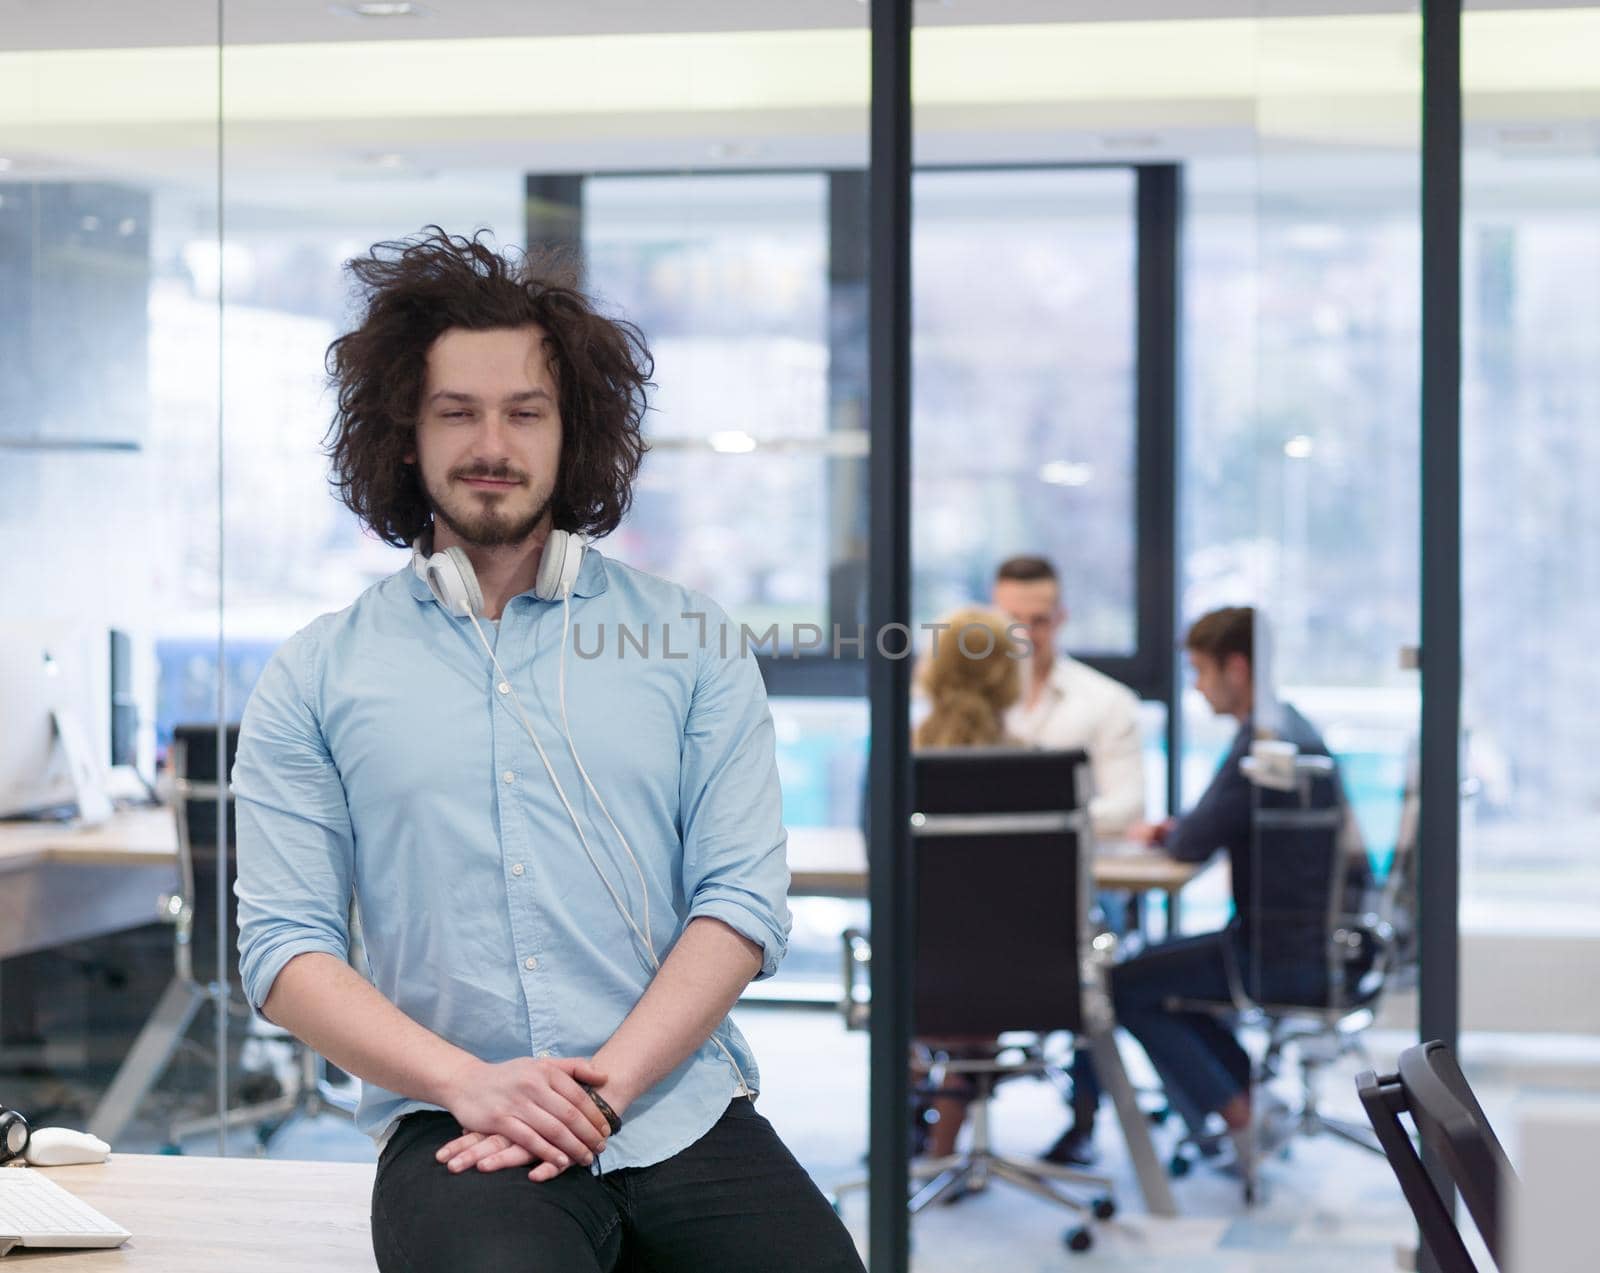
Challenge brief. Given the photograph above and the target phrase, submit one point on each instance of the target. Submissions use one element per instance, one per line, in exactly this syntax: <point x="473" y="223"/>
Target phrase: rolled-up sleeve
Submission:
<point x="296" y="846"/>
<point x="735" y="865"/>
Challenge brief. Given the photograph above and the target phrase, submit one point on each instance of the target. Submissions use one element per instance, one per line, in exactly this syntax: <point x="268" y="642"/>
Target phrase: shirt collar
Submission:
<point x="591" y="581"/>
<point x="1060" y="678"/>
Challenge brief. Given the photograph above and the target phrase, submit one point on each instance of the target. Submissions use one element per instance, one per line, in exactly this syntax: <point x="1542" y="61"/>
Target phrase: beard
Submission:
<point x="487" y="521"/>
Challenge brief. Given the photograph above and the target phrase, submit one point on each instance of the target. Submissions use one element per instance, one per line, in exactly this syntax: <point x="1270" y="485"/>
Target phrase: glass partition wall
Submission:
<point x="178" y="194"/>
<point x="1292" y="140"/>
<point x="110" y="501"/>
<point x="177" y="202"/>
<point x="1529" y="315"/>
<point x="693" y="171"/>
<point x="1330" y="903"/>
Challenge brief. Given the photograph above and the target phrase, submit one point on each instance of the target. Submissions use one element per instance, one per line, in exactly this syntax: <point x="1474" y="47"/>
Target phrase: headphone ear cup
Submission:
<point x="559" y="565"/>
<point x="451" y="577"/>
<point x="14" y="1135"/>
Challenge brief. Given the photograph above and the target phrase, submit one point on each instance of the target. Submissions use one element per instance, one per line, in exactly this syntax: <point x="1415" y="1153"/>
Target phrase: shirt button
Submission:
<point x="503" y="687"/>
<point x="545" y="1053"/>
<point x="508" y="776"/>
<point x="530" y="963"/>
<point x="517" y="869"/>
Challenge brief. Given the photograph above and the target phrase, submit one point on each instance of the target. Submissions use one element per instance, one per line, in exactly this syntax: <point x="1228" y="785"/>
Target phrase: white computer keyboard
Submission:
<point x="37" y="1212"/>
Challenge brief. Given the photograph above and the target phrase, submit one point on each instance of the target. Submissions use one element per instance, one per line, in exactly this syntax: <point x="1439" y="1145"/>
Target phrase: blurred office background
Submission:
<point x="180" y="185"/>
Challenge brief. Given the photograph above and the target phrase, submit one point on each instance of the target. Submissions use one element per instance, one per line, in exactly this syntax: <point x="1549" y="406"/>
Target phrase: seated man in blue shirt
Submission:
<point x="567" y="863"/>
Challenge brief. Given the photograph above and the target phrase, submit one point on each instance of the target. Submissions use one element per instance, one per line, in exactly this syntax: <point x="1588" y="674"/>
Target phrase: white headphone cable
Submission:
<point x="655" y="962"/>
<point x="561" y="697"/>
<point x="562" y="795"/>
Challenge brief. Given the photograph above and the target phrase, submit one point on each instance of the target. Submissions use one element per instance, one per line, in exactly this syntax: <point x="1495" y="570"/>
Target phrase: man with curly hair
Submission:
<point x="557" y="926"/>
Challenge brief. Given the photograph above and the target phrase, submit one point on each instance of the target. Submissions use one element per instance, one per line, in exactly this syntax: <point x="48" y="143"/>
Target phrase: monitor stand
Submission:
<point x="94" y="805"/>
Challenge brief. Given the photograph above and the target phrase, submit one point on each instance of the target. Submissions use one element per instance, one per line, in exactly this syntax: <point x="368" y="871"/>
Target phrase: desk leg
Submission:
<point x="1135" y="1126"/>
<point x="1173" y="926"/>
<point x="147" y="1059"/>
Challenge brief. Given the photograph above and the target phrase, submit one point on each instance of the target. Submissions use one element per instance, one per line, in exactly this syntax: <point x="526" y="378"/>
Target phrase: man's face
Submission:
<point x="1225" y="684"/>
<point x="1036" y="604"/>
<point x="489" y="433"/>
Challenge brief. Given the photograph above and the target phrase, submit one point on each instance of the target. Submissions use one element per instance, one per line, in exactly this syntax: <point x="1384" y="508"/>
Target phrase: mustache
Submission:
<point x="504" y="473"/>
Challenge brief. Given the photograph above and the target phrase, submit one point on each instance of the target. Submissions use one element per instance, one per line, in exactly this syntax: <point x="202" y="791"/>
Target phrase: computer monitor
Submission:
<point x="54" y="718"/>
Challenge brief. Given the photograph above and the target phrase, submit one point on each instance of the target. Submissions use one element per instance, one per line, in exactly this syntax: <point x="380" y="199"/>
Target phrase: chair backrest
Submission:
<point x="973" y="780"/>
<point x="1291" y="901"/>
<point x="194" y="767"/>
<point x="194" y="761"/>
<point x="1000" y="847"/>
<point x="1430" y="1087"/>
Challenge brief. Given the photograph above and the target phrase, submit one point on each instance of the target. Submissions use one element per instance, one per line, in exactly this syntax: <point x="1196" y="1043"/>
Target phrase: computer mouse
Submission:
<point x="61" y="1147"/>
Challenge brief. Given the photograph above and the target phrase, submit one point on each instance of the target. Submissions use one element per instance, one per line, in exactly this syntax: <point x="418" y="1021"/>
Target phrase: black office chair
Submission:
<point x="1001" y="850"/>
<point x="1429" y="1086"/>
<point x="1296" y="906"/>
<point x="266" y="1101"/>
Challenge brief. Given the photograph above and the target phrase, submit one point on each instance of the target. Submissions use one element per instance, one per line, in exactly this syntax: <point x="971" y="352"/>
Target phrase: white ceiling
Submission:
<point x="323" y="110"/>
<point x="85" y="24"/>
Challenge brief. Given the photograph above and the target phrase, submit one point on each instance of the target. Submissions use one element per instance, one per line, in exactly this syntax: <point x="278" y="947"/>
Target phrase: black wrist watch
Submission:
<point x="613" y="1119"/>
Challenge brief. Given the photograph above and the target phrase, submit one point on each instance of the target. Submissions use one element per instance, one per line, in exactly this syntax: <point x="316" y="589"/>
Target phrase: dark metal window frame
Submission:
<point x="1439" y="815"/>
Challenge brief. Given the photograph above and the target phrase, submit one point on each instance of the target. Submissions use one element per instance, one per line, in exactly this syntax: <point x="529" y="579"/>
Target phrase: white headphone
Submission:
<point x="450" y="577"/>
<point x="454" y="584"/>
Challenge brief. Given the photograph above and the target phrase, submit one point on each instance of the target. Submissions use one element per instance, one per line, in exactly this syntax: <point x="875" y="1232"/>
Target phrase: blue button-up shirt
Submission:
<point x="381" y="757"/>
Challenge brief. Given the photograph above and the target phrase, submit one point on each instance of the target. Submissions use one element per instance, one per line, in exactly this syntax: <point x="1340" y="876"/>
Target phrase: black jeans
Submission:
<point x="734" y="1200"/>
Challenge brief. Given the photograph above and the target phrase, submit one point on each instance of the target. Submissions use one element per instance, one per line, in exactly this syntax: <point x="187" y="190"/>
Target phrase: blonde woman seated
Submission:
<point x="967" y="694"/>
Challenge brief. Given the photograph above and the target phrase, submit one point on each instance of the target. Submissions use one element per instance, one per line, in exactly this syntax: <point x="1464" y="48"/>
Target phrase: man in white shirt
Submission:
<point x="1067" y="704"/>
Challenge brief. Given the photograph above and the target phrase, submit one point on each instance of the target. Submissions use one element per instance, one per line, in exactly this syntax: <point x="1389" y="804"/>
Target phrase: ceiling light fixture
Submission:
<point x="385" y="9"/>
<point x="732" y="442"/>
<point x="1299" y="447"/>
<point x="1066" y="473"/>
<point x="735" y="149"/>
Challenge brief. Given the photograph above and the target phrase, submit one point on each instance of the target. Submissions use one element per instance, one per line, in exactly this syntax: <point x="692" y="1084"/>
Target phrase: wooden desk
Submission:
<point x="1125" y="867"/>
<point x="59" y="883"/>
<point x="832" y="862"/>
<point x="205" y="1215"/>
<point x="827" y="862"/>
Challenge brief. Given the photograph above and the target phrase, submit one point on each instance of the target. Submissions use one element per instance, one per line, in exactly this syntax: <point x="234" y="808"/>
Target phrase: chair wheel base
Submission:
<point x="1079" y="1239"/>
<point x="1179" y="1166"/>
<point x="1104" y="1208"/>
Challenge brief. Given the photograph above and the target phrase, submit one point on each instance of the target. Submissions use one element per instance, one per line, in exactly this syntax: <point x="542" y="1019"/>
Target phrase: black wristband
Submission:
<point x="613" y="1119"/>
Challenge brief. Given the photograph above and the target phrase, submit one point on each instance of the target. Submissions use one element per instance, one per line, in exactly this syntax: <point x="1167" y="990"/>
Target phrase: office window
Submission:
<point x="727" y="276"/>
<point x="1023" y="343"/>
<point x="1531" y="539"/>
<point x="1299" y="453"/>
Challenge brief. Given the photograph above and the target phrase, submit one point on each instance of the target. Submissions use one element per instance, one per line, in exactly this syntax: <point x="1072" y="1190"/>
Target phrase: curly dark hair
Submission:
<point x="415" y="289"/>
